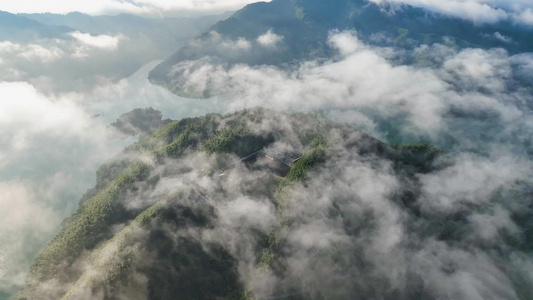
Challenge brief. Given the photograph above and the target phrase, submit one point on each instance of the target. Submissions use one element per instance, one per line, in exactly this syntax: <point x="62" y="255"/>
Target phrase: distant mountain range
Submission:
<point x="165" y="33"/>
<point x="138" y="41"/>
<point x="304" y="26"/>
<point x="18" y="28"/>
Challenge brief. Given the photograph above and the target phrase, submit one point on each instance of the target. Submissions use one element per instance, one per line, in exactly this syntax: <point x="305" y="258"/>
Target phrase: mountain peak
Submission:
<point x="305" y="25"/>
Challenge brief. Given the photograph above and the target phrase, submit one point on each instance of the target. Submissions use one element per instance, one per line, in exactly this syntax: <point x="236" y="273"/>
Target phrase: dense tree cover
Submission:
<point x="91" y="223"/>
<point x="139" y="121"/>
<point x="113" y="246"/>
<point x="419" y="156"/>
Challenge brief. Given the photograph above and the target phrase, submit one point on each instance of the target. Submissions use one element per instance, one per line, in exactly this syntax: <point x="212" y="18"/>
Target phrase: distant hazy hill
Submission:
<point x="21" y="29"/>
<point x="124" y="43"/>
<point x="139" y="121"/>
<point x="304" y="25"/>
<point x="165" y="33"/>
<point x="162" y="221"/>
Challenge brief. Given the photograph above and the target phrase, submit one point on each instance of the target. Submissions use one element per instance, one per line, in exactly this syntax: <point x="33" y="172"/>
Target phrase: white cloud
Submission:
<point x="50" y="148"/>
<point x="240" y="44"/>
<point x="488" y="226"/>
<point x="345" y="42"/>
<point x="78" y="63"/>
<point x="216" y="40"/>
<point x="526" y="16"/>
<point x="269" y="39"/>
<point x="361" y="79"/>
<point x="7" y="46"/>
<point x="478" y="68"/>
<point x="55" y="147"/>
<point x="21" y="209"/>
<point x="32" y="52"/>
<point x="105" y="42"/>
<point x="503" y="38"/>
<point x="33" y="111"/>
<point x="426" y="98"/>
<point x="446" y="191"/>
<point x="478" y="11"/>
<point x="41" y="54"/>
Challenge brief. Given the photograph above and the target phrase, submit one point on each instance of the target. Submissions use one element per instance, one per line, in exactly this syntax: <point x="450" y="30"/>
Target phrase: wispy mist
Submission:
<point x="362" y="222"/>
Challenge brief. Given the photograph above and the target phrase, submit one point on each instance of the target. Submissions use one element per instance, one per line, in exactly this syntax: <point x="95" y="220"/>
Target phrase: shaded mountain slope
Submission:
<point x="302" y="28"/>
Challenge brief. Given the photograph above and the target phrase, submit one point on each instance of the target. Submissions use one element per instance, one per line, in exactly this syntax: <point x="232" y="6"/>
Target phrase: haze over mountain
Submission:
<point x="59" y="53"/>
<point x="421" y="187"/>
<point x="60" y="91"/>
<point x="166" y="34"/>
<point x="21" y="29"/>
<point x="263" y="205"/>
<point x="282" y="33"/>
<point x="146" y="8"/>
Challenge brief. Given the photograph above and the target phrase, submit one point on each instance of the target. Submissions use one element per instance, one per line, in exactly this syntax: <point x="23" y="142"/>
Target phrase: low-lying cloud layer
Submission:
<point x="58" y="97"/>
<point x="357" y="226"/>
<point x="77" y="64"/>
<point x="100" y="41"/>
<point x="48" y="152"/>
<point x="478" y="11"/>
<point x="50" y="148"/>
<point x="433" y="99"/>
<point x="475" y="103"/>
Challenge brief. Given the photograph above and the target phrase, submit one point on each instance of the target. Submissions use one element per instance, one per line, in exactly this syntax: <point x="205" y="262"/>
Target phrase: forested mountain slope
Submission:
<point x="285" y="32"/>
<point x="265" y="205"/>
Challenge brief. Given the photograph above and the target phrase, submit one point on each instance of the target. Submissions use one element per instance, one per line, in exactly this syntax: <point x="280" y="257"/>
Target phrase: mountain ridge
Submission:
<point x="124" y="220"/>
<point x="304" y="26"/>
<point x="21" y="29"/>
<point x="158" y="30"/>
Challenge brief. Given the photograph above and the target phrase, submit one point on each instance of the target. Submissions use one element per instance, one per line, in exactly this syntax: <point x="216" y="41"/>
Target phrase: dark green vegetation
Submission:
<point x="179" y="265"/>
<point x="182" y="214"/>
<point x="91" y="223"/>
<point x="139" y="121"/>
<point x="306" y="24"/>
<point x="308" y="160"/>
<point x="419" y="156"/>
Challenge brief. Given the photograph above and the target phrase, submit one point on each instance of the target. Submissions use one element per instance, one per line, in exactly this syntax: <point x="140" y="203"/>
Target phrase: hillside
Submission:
<point x="261" y="205"/>
<point x="283" y="33"/>
<point x="152" y="226"/>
